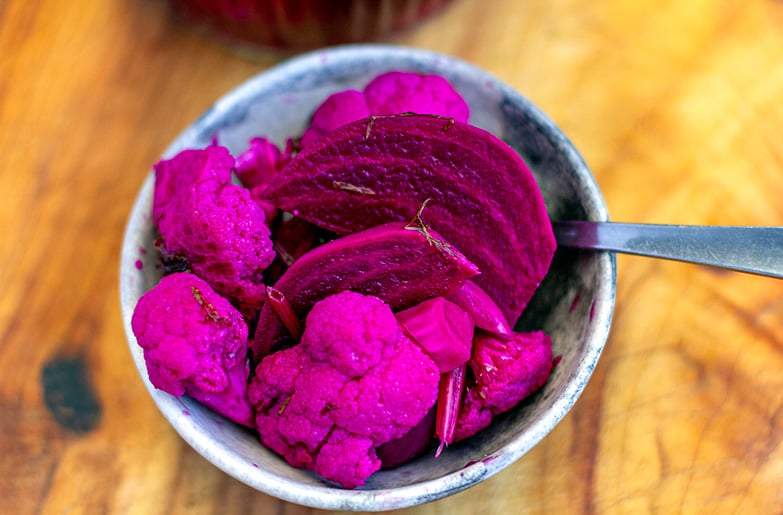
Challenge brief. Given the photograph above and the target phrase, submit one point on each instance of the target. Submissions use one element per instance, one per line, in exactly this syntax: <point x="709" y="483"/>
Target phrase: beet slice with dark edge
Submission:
<point x="402" y="264"/>
<point x="481" y="196"/>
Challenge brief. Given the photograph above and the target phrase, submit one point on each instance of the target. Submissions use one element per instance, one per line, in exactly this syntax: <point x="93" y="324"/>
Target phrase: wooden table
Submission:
<point x="676" y="106"/>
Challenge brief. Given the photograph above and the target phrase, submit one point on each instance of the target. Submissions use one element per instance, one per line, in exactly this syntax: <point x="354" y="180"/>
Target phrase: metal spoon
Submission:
<point x="755" y="250"/>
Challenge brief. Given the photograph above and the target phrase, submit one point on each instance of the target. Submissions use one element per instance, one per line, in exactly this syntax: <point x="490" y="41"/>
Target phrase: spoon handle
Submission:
<point x="755" y="250"/>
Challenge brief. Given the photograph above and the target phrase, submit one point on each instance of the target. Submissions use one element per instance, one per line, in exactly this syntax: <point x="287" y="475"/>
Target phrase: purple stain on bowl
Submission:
<point x="186" y="412"/>
<point x="138" y="264"/>
<point x="592" y="311"/>
<point x="575" y="302"/>
<point x="484" y="460"/>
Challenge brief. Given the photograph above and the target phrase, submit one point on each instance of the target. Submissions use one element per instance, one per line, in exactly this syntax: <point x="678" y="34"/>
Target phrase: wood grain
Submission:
<point x="676" y="106"/>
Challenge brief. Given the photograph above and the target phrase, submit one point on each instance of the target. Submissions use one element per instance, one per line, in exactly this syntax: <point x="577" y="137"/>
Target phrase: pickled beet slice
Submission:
<point x="481" y="308"/>
<point x="442" y="329"/>
<point x="410" y="445"/>
<point x="449" y="398"/>
<point x="482" y="198"/>
<point x="403" y="264"/>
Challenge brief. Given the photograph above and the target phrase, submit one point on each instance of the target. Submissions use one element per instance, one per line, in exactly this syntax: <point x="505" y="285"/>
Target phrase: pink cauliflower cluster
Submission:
<point x="389" y="93"/>
<point x="257" y="166"/>
<point x="213" y="224"/>
<point x="195" y="343"/>
<point x="353" y="383"/>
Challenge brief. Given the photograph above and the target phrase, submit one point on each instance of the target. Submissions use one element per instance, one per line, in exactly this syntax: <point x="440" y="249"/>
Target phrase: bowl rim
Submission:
<point x="382" y="499"/>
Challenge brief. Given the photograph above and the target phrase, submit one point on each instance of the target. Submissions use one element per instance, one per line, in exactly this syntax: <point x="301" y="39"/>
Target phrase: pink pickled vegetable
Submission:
<point x="405" y="92"/>
<point x="195" y="343"/>
<point x="353" y="383"/>
<point x="292" y="238"/>
<point x="394" y="204"/>
<point x="213" y="224"/>
<point x="337" y="110"/>
<point x="267" y="208"/>
<point x="282" y="309"/>
<point x="482" y="197"/>
<point x="403" y="265"/>
<point x="442" y="329"/>
<point x="449" y="398"/>
<point x="258" y="165"/>
<point x="394" y="92"/>
<point x="410" y="445"/>
<point x="255" y="168"/>
<point x="481" y="308"/>
<point x="176" y="176"/>
<point x="505" y="371"/>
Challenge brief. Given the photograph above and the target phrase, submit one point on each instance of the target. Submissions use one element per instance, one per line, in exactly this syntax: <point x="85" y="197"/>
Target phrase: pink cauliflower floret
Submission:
<point x="257" y="166"/>
<point x="211" y="165"/>
<point x="389" y="93"/>
<point x="337" y="110"/>
<point x="505" y="371"/>
<point x="195" y="343"/>
<point x="353" y="383"/>
<point x="404" y="92"/>
<point x="260" y="162"/>
<point x="213" y="224"/>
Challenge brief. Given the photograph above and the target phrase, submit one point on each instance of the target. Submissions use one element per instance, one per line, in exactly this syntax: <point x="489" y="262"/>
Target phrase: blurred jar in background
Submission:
<point x="303" y="24"/>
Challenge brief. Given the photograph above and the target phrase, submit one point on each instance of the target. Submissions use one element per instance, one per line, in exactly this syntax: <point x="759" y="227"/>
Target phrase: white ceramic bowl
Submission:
<point x="574" y="304"/>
